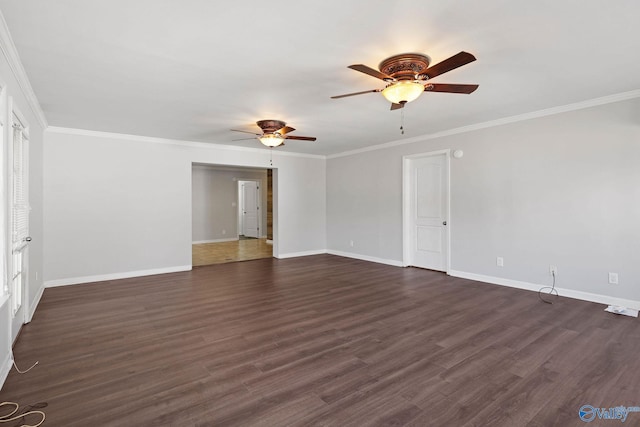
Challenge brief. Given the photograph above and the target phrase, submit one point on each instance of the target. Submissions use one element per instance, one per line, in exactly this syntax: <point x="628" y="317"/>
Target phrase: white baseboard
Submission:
<point x="34" y="304"/>
<point x="115" y="276"/>
<point x="306" y="253"/>
<point x="269" y="242"/>
<point x="570" y="293"/>
<point x="5" y="368"/>
<point x="198" y="242"/>
<point x="367" y="258"/>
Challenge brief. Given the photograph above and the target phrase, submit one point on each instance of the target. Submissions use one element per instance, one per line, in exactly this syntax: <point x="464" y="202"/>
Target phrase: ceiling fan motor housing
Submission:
<point x="270" y="126"/>
<point x="406" y="66"/>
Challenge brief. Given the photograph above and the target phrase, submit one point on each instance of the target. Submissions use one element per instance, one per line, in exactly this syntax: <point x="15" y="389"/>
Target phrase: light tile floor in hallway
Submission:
<point x="237" y="250"/>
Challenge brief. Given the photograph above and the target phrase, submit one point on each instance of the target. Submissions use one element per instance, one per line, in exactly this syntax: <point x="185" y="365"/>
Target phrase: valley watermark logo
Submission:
<point x="589" y="413"/>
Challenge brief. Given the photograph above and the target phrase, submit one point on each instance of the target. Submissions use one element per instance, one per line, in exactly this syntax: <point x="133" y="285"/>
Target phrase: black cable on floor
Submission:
<point x="552" y="290"/>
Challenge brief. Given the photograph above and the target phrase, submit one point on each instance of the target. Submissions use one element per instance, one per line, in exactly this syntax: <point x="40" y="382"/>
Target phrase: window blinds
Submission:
<point x="20" y="215"/>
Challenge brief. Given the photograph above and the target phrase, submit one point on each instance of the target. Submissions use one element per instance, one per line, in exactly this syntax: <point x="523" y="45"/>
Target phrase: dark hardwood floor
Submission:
<point x="324" y="341"/>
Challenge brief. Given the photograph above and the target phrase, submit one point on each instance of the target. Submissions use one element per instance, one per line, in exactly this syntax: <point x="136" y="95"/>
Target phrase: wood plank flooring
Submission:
<point x="234" y="251"/>
<point x="321" y="341"/>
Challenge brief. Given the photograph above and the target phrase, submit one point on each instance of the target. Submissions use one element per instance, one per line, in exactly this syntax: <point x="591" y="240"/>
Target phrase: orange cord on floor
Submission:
<point x="13" y="417"/>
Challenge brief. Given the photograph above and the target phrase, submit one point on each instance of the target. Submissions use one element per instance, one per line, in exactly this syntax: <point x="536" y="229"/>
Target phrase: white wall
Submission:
<point x="561" y="189"/>
<point x="118" y="206"/>
<point x="215" y="201"/>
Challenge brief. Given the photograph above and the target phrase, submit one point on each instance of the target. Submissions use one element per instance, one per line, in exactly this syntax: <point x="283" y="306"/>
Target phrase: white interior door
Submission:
<point x="251" y="212"/>
<point x="428" y="212"/>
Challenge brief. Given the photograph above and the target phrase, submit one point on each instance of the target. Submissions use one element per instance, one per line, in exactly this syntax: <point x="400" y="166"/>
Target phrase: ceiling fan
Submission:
<point x="407" y="77"/>
<point x="274" y="132"/>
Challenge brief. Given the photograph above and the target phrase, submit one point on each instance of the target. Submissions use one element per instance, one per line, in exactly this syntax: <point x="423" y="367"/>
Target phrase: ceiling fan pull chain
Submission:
<point x="271" y="156"/>
<point x="402" y="121"/>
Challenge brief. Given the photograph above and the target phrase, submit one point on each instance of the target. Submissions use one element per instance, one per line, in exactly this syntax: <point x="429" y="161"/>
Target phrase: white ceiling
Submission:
<point x="193" y="69"/>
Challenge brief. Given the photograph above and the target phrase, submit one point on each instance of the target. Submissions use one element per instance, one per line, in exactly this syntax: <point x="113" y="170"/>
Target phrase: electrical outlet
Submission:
<point x="500" y="261"/>
<point x="613" y="278"/>
<point x="553" y="270"/>
<point x="224" y="232"/>
<point x="351" y="243"/>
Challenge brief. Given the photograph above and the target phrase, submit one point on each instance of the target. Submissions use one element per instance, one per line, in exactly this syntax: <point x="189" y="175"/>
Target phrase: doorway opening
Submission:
<point x="249" y="210"/>
<point x="232" y="214"/>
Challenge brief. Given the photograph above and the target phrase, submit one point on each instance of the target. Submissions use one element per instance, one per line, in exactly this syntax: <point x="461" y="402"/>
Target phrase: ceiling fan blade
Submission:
<point x="397" y="106"/>
<point x="451" y="88"/>
<point x="301" y="138"/>
<point x="356" y="93"/>
<point x="242" y="139"/>
<point x="457" y="60"/>
<point x="285" y="130"/>
<point x="370" y="71"/>
<point x="245" y="131"/>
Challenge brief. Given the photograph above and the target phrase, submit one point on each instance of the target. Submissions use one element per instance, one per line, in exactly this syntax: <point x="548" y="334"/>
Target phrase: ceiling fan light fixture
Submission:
<point x="271" y="139"/>
<point x="403" y="91"/>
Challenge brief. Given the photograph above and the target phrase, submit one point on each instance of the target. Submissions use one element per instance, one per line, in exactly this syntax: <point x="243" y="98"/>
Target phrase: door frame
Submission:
<point x="23" y="314"/>
<point x="407" y="189"/>
<point x="240" y="205"/>
<point x="274" y="209"/>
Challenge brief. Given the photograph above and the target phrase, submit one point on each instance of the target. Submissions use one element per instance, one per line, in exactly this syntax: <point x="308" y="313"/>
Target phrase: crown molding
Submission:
<point x="498" y="122"/>
<point x="13" y="59"/>
<point x="168" y="141"/>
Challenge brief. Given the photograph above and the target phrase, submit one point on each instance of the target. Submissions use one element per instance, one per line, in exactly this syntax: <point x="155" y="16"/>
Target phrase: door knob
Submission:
<point x="444" y="222"/>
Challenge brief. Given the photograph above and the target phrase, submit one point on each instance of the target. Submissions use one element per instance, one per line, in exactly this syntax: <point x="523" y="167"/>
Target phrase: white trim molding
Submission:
<point x="5" y="368"/>
<point x="570" y="293"/>
<point x="498" y="122"/>
<point x="182" y="143"/>
<point x="366" y="258"/>
<point x="34" y="304"/>
<point x="198" y="242"/>
<point x="115" y="276"/>
<point x="298" y="254"/>
<point x="463" y="129"/>
<point x="13" y="59"/>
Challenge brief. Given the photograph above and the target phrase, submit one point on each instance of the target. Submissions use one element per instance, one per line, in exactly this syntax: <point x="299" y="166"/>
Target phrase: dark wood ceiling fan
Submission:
<point x="407" y="77"/>
<point x="274" y="132"/>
